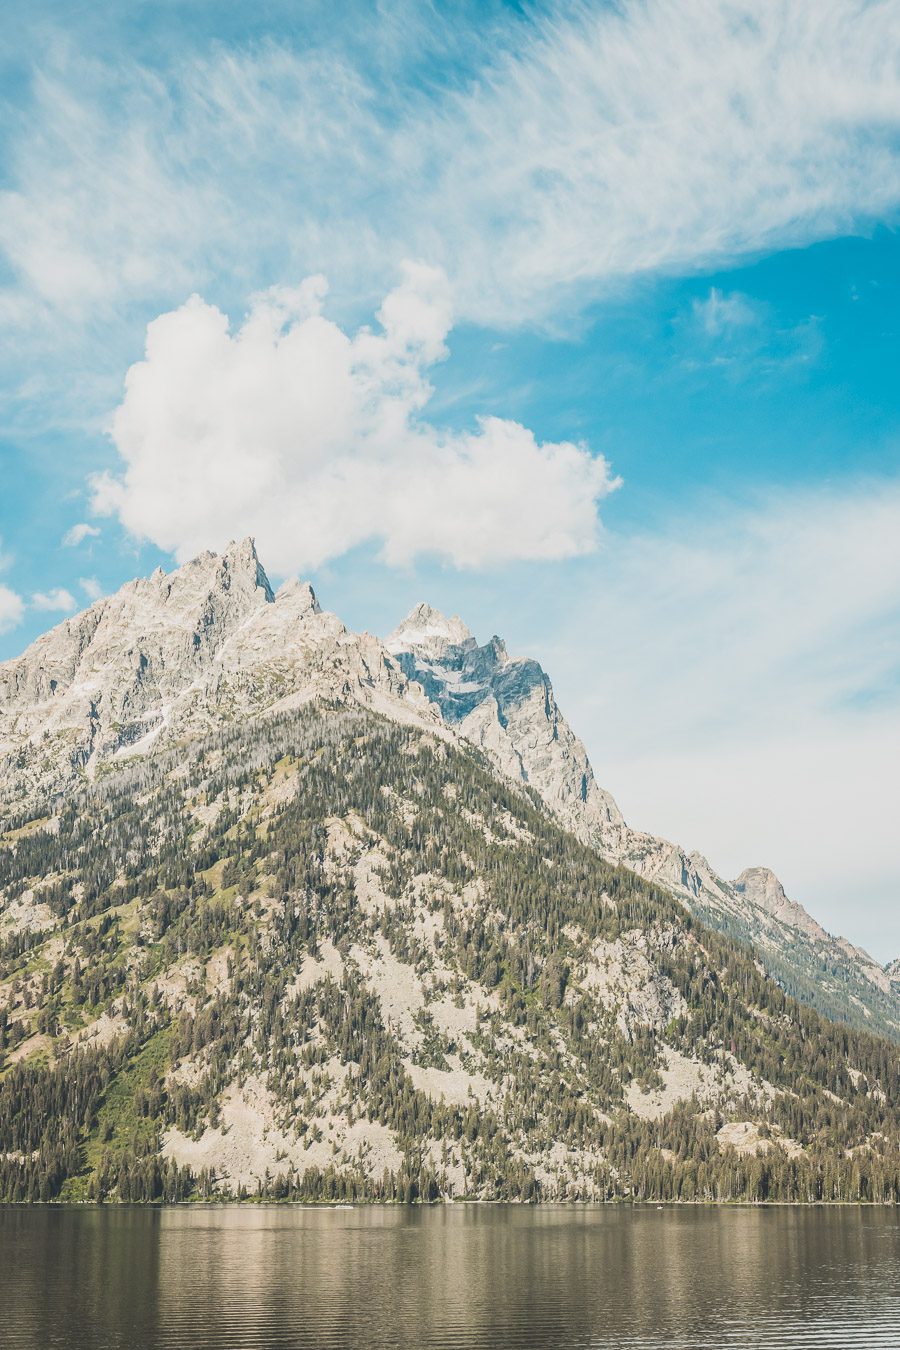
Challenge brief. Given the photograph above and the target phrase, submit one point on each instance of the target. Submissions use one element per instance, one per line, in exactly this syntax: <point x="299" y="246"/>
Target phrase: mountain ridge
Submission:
<point x="171" y="655"/>
<point x="468" y="682"/>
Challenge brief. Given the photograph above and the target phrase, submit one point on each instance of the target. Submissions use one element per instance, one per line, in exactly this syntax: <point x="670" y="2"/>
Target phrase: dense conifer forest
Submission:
<point x="327" y="957"/>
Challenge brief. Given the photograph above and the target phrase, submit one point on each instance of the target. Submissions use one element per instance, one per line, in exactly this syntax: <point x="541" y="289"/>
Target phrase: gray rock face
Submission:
<point x="762" y="888"/>
<point x="176" y="654"/>
<point x="507" y="707"/>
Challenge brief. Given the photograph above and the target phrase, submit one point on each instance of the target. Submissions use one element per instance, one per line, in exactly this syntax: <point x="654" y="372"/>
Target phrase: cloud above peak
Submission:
<point x="315" y="441"/>
<point x="55" y="601"/>
<point x="78" y="533"/>
<point x="12" y="609"/>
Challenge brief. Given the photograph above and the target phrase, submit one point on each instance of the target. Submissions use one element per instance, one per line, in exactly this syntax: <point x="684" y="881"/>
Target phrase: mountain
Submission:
<point x="507" y="707"/>
<point x="173" y="656"/>
<point x="284" y="913"/>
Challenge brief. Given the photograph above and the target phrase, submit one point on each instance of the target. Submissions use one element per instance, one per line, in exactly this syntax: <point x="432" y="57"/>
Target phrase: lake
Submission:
<point x="227" y="1277"/>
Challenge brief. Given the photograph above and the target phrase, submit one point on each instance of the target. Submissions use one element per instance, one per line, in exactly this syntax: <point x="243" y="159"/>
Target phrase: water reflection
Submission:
<point x="467" y="1276"/>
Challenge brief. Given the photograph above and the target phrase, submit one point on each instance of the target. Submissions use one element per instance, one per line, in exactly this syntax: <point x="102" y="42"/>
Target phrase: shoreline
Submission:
<point x="211" y="1202"/>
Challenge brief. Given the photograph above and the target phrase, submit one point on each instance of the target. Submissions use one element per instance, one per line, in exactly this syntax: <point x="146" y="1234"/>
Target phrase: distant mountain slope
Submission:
<point x="893" y="973"/>
<point x="320" y="954"/>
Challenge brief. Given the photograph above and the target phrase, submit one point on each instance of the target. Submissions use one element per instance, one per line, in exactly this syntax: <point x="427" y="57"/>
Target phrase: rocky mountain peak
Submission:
<point x="300" y="595"/>
<point x="210" y="594"/>
<point x="174" y="653"/>
<point x="242" y="565"/>
<point x="762" y="885"/>
<point x="505" y="706"/>
<point x="426" y="629"/>
<point x="238" y="570"/>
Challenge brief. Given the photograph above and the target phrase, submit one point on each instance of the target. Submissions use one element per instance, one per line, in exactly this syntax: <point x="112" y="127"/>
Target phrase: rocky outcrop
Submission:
<point x="761" y="886"/>
<point x="507" y="707"/>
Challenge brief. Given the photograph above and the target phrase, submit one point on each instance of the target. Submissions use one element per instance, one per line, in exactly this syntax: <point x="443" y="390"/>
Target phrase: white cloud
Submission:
<point x="314" y="441"/>
<point x="57" y="600"/>
<point x="745" y="698"/>
<point x="12" y="606"/>
<point x="663" y="135"/>
<point x="91" y="587"/>
<point x="587" y="145"/>
<point x="12" y="609"/>
<point x="78" y="533"/>
<point x="720" y="313"/>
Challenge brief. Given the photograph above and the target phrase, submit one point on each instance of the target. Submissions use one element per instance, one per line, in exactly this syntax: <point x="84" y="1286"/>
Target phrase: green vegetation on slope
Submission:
<point x="183" y="898"/>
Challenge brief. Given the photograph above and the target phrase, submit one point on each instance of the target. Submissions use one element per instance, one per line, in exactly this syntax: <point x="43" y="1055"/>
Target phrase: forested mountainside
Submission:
<point x="324" y="955"/>
<point x="507" y="706"/>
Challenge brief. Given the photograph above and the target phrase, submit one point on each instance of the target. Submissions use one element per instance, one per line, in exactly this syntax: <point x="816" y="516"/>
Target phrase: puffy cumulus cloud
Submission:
<point x="12" y="608"/>
<point x="55" y="601"/>
<point x="78" y="533"/>
<point x="314" y="441"/>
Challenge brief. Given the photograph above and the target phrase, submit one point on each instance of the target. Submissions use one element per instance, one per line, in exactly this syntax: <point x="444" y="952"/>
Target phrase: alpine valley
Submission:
<point x="288" y="911"/>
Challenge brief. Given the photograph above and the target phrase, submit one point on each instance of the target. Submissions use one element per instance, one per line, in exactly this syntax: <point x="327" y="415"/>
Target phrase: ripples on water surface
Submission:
<point x="270" y="1277"/>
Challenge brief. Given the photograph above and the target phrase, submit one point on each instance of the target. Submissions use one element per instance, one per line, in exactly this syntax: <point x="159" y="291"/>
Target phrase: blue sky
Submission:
<point x="654" y="243"/>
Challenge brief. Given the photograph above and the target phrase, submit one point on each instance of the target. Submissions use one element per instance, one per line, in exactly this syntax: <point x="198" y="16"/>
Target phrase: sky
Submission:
<point x="579" y="320"/>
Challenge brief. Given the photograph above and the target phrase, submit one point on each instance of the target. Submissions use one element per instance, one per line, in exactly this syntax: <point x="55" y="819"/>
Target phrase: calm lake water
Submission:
<point x="471" y="1276"/>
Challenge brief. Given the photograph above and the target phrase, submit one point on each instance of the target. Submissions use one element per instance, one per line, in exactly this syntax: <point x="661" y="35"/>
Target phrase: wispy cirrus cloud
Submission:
<point x="91" y="587"/>
<point x="596" y="144"/>
<point x="720" y="313"/>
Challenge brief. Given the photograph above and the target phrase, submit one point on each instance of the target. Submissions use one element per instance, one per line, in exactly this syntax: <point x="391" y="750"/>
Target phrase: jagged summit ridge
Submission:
<point x="173" y="655"/>
<point x="195" y="608"/>
<point x="507" y="707"/>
